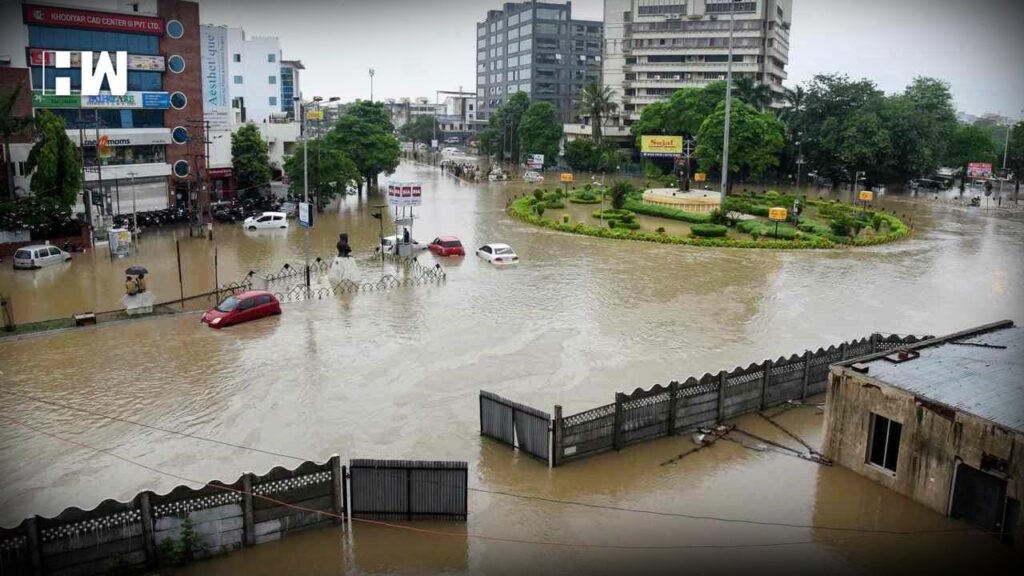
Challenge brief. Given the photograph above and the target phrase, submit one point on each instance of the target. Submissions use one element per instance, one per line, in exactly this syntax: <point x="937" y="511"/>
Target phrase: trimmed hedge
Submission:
<point x="664" y="212"/>
<point x="520" y="209"/>
<point x="709" y="230"/>
<point x="611" y="213"/>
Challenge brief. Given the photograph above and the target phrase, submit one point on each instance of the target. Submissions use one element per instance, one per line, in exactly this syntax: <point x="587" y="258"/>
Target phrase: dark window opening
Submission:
<point x="884" y="442"/>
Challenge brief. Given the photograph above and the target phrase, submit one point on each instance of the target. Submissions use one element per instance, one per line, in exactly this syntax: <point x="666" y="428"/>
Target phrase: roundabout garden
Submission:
<point x="627" y="213"/>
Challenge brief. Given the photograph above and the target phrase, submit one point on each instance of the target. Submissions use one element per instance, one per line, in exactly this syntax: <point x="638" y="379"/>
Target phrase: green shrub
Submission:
<point x="660" y="230"/>
<point x="629" y="224"/>
<point x="611" y="213"/>
<point x="627" y="218"/>
<point x="554" y="204"/>
<point x="619" y="191"/>
<point x="611" y="223"/>
<point x="709" y="230"/>
<point x="565" y="218"/>
<point x="539" y="209"/>
<point x="814" y="227"/>
<point x="538" y="194"/>
<point x="666" y="212"/>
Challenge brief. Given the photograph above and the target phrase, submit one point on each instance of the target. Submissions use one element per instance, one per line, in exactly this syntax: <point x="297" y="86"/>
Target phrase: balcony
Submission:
<point x="680" y="67"/>
<point x="664" y="83"/>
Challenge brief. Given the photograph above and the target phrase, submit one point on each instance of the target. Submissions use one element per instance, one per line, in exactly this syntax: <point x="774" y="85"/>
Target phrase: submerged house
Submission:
<point x="940" y="421"/>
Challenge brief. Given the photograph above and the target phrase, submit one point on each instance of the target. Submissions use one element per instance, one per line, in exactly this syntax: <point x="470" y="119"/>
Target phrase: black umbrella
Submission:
<point x="136" y="270"/>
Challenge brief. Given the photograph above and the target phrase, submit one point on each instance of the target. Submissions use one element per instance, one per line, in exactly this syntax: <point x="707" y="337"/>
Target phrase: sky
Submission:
<point x="420" y="46"/>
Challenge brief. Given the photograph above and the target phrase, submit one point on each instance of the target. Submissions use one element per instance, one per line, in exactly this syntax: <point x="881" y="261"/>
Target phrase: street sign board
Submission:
<point x="979" y="170"/>
<point x="305" y="214"/>
<point x="535" y="161"/>
<point x="405" y="193"/>
<point x="777" y="214"/>
<point x="866" y="196"/>
<point x="433" y="143"/>
<point x="700" y="177"/>
<point x="661" y="146"/>
<point x="566" y="177"/>
<point x="315" y="115"/>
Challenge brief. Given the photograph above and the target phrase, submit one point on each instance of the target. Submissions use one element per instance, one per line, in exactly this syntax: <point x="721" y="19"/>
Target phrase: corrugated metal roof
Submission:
<point x="969" y="374"/>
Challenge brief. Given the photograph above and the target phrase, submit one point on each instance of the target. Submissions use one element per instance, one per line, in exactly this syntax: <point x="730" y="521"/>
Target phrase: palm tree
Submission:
<point x="752" y="92"/>
<point x="10" y="124"/>
<point x="794" y="104"/>
<point x="596" y="102"/>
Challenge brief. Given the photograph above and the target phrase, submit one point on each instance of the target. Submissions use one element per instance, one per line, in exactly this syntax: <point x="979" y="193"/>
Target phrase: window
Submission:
<point x="236" y="57"/>
<point x="884" y="442"/>
<point x="662" y="9"/>
<point x="174" y="28"/>
<point x="526" y="15"/>
<point x="513" y="20"/>
<point x="95" y="40"/>
<point x="264" y="299"/>
<point x="54" y="252"/>
<point x="526" y="44"/>
<point x="247" y="304"/>
<point x="238" y="79"/>
<point x="273" y="100"/>
<point x="179" y="100"/>
<point x="272" y="79"/>
<point x="271" y="57"/>
<point x="550" y="14"/>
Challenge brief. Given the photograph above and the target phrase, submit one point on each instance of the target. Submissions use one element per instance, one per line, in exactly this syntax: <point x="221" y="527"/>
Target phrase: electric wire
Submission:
<point x="609" y="507"/>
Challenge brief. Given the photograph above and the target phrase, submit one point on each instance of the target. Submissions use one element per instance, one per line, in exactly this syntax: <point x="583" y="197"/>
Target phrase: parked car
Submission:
<point x="389" y="244"/>
<point x="533" y="176"/>
<point x="927" y="184"/>
<point x="447" y="246"/>
<point x="242" y="307"/>
<point x="452" y="140"/>
<point x="266" y="220"/>
<point x="31" y="257"/>
<point x="498" y="254"/>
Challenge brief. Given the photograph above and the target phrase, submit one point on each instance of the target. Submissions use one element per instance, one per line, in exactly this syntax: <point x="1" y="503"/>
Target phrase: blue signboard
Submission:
<point x="160" y="100"/>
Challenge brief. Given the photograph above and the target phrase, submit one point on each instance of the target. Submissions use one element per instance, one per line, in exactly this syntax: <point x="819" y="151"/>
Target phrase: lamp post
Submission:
<point x="305" y="182"/>
<point x="372" y="72"/>
<point x="135" y="219"/>
<point x="728" y="107"/>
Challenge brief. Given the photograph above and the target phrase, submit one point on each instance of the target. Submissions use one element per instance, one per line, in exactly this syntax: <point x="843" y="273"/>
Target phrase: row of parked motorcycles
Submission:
<point x="152" y="218"/>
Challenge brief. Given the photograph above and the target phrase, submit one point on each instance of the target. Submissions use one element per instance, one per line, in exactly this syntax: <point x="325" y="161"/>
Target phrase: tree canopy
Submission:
<point x="501" y="136"/>
<point x="755" y="140"/>
<point x="54" y="163"/>
<point x="420" y="129"/>
<point x="596" y="103"/>
<point x="365" y="135"/>
<point x="249" y="158"/>
<point x="330" y="171"/>
<point x="540" y="132"/>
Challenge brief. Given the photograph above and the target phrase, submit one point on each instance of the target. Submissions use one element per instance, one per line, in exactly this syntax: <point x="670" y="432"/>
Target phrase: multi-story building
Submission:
<point x="537" y="48"/>
<point x="246" y="81"/>
<point x="458" y="120"/>
<point x="405" y="109"/>
<point x="655" y="47"/>
<point x="142" y="144"/>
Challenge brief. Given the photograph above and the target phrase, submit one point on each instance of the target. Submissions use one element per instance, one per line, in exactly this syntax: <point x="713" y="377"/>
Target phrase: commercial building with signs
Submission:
<point x="458" y="119"/>
<point x="142" y="143"/>
<point x="537" y="48"/>
<point x="654" y="47"/>
<point x="941" y="422"/>
<point x="245" y="80"/>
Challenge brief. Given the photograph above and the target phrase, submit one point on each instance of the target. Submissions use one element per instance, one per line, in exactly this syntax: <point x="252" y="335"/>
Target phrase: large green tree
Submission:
<point x="596" y="102"/>
<point x="1015" y="157"/>
<point x="970" y="144"/>
<point x="501" y="136"/>
<point x="920" y="121"/>
<point x="420" y="129"/>
<point x="330" y="170"/>
<point x="540" y="132"/>
<point x="54" y="163"/>
<point x="250" y="160"/>
<point x="755" y="140"/>
<point x="10" y="124"/>
<point x="752" y="92"/>
<point x="365" y="135"/>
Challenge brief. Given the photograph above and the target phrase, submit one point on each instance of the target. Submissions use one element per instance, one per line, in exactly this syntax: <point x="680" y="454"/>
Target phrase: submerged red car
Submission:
<point x="447" y="246"/>
<point x="242" y="307"/>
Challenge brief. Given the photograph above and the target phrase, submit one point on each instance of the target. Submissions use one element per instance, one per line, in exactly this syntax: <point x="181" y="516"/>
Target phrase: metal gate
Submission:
<point x="514" y="424"/>
<point x="409" y="489"/>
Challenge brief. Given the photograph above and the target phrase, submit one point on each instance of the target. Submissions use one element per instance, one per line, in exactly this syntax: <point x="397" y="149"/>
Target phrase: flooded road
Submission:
<point x="396" y="374"/>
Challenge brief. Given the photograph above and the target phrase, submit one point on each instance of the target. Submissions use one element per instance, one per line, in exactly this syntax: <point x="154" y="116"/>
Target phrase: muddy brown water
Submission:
<point x="396" y="375"/>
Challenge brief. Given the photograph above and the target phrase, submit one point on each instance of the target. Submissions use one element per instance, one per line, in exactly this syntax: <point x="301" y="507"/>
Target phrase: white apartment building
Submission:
<point x="654" y="47"/>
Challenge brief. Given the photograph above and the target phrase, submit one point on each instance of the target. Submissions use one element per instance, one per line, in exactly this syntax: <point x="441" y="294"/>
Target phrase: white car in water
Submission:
<point x="533" y="176"/>
<point x="498" y="254"/>
<point x="30" y="257"/>
<point x="389" y="244"/>
<point x="266" y="220"/>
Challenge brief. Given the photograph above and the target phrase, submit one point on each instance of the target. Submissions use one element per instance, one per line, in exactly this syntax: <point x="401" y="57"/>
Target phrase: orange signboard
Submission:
<point x="661" y="146"/>
<point x="777" y="214"/>
<point x="567" y="177"/>
<point x="866" y="196"/>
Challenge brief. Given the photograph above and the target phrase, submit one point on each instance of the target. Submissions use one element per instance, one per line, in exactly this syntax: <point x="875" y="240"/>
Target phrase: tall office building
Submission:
<point x="655" y="47"/>
<point x="537" y="48"/>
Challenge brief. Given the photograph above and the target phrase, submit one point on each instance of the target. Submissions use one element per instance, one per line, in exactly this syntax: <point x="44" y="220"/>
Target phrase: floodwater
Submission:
<point x="396" y="374"/>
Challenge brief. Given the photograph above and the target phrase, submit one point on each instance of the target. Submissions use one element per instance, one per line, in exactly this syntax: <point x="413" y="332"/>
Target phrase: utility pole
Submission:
<point x="372" y="72"/>
<point x="135" y="218"/>
<point x="305" y="181"/>
<point x="728" y="107"/>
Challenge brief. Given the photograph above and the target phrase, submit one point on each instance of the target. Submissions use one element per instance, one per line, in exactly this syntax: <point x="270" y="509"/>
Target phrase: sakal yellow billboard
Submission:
<point x="663" y="146"/>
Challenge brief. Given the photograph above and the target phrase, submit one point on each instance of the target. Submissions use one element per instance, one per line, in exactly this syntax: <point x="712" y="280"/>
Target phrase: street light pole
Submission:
<point x="728" y="107"/>
<point x="372" y="72"/>
<point x="135" y="219"/>
<point x="305" y="182"/>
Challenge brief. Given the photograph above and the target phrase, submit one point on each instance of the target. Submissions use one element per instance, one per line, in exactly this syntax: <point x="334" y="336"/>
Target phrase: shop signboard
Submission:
<point x="405" y="194"/>
<point x="51" y="100"/>
<point x="71" y="18"/>
<point x="130" y="100"/>
<point x="43" y="57"/>
<point x="661" y="146"/>
<point x="214" y="42"/>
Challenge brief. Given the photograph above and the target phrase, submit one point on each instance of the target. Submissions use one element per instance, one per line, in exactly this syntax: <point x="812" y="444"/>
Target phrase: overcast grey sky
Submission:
<point x="419" y="46"/>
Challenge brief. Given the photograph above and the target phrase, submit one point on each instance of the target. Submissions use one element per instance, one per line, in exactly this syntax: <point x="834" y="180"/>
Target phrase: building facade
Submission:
<point x="290" y="86"/>
<point x="655" y="47"/>
<point x="139" y="144"/>
<point x="941" y="422"/>
<point x="537" y="48"/>
<point x="458" y="119"/>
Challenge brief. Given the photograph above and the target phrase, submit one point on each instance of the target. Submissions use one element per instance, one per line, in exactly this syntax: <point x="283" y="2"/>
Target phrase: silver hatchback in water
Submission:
<point x="29" y="257"/>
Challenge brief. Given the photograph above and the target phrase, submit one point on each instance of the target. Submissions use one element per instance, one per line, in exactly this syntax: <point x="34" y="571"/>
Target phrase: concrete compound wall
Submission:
<point x="224" y="517"/>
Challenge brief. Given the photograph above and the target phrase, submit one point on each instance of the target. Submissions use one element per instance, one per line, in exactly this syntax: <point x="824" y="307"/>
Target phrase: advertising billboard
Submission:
<point x="979" y="170"/>
<point x="214" y="49"/>
<point x="130" y="100"/>
<point x="42" y="57"/>
<point x="535" y="161"/>
<point x="405" y="194"/>
<point x="661" y="146"/>
<point x="51" y="100"/>
<point x="69" y="17"/>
